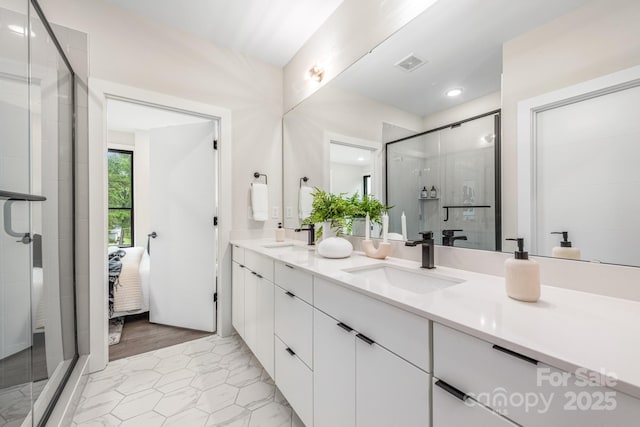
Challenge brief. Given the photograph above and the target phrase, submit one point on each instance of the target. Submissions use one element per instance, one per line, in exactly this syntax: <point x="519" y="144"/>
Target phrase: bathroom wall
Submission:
<point x="469" y="109"/>
<point x="352" y="31"/>
<point x="592" y="41"/>
<point x="307" y="132"/>
<point x="137" y="141"/>
<point x="128" y="49"/>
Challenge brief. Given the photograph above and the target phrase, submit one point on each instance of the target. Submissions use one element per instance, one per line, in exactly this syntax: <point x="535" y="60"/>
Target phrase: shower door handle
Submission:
<point x="11" y="198"/>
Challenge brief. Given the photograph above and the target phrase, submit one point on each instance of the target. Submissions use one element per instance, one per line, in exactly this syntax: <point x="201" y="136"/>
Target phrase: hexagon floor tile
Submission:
<point x="211" y="381"/>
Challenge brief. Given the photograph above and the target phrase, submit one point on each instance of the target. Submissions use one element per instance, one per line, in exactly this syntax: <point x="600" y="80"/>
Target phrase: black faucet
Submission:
<point x="312" y="234"/>
<point x="448" y="237"/>
<point x="427" y="248"/>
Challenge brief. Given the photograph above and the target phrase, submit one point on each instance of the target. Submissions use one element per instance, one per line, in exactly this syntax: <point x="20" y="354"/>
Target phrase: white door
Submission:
<point x="182" y="172"/>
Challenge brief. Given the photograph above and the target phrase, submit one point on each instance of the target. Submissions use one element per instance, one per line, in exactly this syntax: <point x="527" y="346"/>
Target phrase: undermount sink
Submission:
<point x="418" y="282"/>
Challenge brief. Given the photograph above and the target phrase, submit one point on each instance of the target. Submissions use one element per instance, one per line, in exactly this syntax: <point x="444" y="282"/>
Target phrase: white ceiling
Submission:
<point x="269" y="30"/>
<point x="462" y="43"/>
<point x="349" y="155"/>
<point x="129" y="117"/>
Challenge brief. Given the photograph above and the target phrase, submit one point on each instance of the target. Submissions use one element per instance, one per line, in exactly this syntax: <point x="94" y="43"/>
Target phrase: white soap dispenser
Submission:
<point x="522" y="275"/>
<point x="565" y="250"/>
<point x="280" y="233"/>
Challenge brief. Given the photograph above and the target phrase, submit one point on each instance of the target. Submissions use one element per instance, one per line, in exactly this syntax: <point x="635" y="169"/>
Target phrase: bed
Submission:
<point x="132" y="296"/>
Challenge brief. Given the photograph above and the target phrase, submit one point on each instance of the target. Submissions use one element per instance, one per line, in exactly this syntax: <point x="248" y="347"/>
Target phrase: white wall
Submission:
<point x="130" y="50"/>
<point x="353" y="30"/>
<point x="597" y="39"/>
<point x="347" y="178"/>
<point x="475" y="107"/>
<point x="307" y="130"/>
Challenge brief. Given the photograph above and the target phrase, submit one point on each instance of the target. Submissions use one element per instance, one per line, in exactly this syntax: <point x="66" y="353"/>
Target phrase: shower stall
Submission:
<point x="38" y="340"/>
<point x="447" y="180"/>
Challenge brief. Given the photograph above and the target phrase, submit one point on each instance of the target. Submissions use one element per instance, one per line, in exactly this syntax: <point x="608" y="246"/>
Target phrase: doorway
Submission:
<point x="162" y="200"/>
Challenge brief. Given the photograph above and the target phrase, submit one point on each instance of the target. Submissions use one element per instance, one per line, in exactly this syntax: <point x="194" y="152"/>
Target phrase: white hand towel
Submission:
<point x="305" y="202"/>
<point x="260" y="201"/>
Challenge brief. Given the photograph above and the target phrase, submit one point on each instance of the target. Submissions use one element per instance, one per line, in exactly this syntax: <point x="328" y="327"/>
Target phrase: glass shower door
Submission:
<point x="37" y="305"/>
<point x="15" y="184"/>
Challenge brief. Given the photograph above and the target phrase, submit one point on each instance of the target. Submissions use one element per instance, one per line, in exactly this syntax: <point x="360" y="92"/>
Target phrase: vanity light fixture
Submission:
<point x="316" y="73"/>
<point x="451" y="93"/>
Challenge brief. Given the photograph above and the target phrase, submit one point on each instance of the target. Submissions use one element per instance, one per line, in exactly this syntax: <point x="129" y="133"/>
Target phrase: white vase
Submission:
<point x="331" y="246"/>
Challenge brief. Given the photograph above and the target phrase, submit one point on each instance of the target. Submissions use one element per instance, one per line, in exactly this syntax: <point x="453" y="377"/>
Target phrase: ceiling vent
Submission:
<point x="410" y="63"/>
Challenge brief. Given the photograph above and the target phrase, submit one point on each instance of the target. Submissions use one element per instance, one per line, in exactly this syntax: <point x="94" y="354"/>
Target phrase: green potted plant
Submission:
<point x="332" y="210"/>
<point x="361" y="207"/>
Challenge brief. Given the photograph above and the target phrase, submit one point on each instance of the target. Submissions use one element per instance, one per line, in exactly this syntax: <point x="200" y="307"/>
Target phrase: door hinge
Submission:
<point x="215" y="144"/>
<point x="215" y="221"/>
<point x="215" y="297"/>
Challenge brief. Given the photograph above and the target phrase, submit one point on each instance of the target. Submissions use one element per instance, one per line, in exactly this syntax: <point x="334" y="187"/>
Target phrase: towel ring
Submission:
<point x="305" y="179"/>
<point x="257" y="175"/>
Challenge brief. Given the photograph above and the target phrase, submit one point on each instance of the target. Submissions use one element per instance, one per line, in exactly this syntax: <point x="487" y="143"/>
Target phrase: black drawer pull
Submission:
<point x="452" y="390"/>
<point x="259" y="276"/>
<point x="514" y="354"/>
<point x="241" y="266"/>
<point x="291" y="352"/>
<point x="346" y="327"/>
<point x="289" y="294"/>
<point x="366" y="339"/>
<point x="289" y="266"/>
<point x="254" y="273"/>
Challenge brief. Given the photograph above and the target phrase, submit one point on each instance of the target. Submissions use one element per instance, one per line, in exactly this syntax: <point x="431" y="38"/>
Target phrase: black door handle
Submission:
<point x="345" y="327"/>
<point x="514" y="354"/>
<point x="291" y="352"/>
<point x="458" y="394"/>
<point x="366" y="339"/>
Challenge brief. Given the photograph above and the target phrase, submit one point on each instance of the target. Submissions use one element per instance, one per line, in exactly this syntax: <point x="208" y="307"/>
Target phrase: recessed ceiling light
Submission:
<point x="454" y="92"/>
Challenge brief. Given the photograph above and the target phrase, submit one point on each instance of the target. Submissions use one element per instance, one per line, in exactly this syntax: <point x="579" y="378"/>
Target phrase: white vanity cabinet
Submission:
<point x="252" y="293"/>
<point x="524" y="390"/>
<point x="357" y="381"/>
<point x="293" y="328"/>
<point x="452" y="409"/>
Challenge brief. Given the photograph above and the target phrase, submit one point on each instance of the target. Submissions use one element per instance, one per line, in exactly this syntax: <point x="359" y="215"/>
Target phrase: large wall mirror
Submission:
<point x="435" y="107"/>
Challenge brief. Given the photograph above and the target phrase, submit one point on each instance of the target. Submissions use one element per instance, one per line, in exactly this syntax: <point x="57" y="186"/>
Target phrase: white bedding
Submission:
<point x="133" y="296"/>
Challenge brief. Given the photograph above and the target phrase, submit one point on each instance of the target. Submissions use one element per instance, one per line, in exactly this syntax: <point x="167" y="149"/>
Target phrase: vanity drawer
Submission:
<point x="294" y="324"/>
<point x="237" y="253"/>
<point x="497" y="377"/>
<point x="450" y="410"/>
<point x="294" y="280"/>
<point x="295" y="381"/>
<point x="401" y="332"/>
<point x="261" y="264"/>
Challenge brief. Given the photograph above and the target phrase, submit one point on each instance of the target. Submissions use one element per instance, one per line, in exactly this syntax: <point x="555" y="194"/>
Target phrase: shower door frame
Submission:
<point x="497" y="164"/>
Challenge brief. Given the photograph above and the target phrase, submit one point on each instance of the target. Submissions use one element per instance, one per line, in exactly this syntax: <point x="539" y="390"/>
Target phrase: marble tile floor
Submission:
<point x="211" y="381"/>
<point x="15" y="402"/>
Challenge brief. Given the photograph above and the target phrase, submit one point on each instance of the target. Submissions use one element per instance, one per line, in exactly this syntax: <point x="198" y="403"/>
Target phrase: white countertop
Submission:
<point x="566" y="329"/>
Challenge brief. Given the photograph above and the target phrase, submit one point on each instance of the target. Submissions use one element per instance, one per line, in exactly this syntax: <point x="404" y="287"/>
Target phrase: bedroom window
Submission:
<point x="120" y="167"/>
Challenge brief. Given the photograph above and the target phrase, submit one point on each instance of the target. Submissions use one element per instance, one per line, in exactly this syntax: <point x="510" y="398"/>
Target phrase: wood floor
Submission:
<point x="26" y="366"/>
<point x="139" y="336"/>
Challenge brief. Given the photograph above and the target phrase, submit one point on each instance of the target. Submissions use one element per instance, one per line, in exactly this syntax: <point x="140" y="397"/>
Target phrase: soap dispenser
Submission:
<point x="522" y="275"/>
<point x="433" y="193"/>
<point x="565" y="250"/>
<point x="424" y="194"/>
<point x="279" y="233"/>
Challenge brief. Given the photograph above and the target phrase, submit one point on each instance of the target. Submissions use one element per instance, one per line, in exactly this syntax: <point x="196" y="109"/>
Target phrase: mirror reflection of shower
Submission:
<point x="445" y="181"/>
